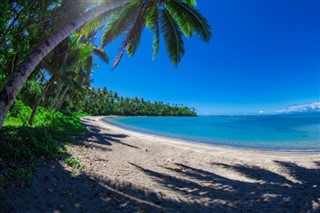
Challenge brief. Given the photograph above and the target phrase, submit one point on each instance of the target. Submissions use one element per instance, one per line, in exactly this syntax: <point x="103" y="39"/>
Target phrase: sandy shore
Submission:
<point x="127" y="171"/>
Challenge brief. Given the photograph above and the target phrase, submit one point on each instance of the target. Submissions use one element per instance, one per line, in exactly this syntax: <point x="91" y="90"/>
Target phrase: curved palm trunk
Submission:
<point x="55" y="99"/>
<point x="15" y="82"/>
<point x="61" y="98"/>
<point x="39" y="100"/>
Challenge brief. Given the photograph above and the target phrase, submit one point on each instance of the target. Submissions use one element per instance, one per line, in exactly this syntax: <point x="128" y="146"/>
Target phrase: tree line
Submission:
<point x="104" y="102"/>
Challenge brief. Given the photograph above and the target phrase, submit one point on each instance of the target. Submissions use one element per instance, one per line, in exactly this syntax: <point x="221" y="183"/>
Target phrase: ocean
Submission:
<point x="285" y="132"/>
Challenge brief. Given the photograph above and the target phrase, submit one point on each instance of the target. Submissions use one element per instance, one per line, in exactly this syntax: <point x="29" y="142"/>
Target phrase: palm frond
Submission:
<point x="118" y="58"/>
<point x="190" y="2"/>
<point x="74" y="84"/>
<point x="186" y="16"/>
<point x="173" y="37"/>
<point x="101" y="54"/>
<point x="152" y="22"/>
<point x="132" y="39"/>
<point x="95" y="24"/>
<point x="133" y="34"/>
<point x="88" y="68"/>
<point x="119" y="22"/>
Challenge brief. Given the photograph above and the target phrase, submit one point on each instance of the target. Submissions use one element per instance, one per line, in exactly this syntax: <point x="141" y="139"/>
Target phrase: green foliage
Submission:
<point x="173" y="37"/>
<point x="189" y="19"/>
<point x="152" y="22"/>
<point x="74" y="164"/>
<point x="21" y="145"/>
<point x="2" y="78"/>
<point x="22" y="174"/>
<point x="19" y="114"/>
<point x="28" y="144"/>
<point x="175" y="18"/>
<point x="30" y="91"/>
<point x="104" y="102"/>
<point x="116" y="25"/>
<point x="2" y="182"/>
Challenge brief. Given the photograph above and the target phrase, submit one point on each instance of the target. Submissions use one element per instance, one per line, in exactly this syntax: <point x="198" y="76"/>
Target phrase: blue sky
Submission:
<point x="263" y="55"/>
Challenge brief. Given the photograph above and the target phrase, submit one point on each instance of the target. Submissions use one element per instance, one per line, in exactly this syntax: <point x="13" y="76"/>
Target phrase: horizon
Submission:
<point x="262" y="57"/>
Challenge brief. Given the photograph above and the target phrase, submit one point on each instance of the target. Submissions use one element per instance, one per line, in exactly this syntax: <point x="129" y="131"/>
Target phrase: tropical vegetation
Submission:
<point x="33" y="30"/>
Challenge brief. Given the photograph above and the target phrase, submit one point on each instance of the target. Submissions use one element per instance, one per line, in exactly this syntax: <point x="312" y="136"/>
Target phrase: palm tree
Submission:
<point x="14" y="82"/>
<point x="173" y="18"/>
<point x="173" y="13"/>
<point x="70" y="64"/>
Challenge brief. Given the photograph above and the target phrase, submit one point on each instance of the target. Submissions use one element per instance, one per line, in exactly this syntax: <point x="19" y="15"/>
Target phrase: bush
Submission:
<point x="19" y="113"/>
<point x="21" y="145"/>
<point x="26" y="144"/>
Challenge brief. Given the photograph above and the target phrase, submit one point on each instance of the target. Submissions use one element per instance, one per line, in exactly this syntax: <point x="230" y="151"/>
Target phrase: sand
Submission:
<point x="127" y="171"/>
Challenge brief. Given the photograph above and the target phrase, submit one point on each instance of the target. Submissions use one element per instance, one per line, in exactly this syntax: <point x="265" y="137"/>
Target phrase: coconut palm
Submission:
<point x="174" y="18"/>
<point x="70" y="64"/>
<point x="14" y="82"/>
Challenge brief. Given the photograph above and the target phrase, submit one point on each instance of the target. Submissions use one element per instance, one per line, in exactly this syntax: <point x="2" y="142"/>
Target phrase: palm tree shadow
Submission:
<point x="256" y="173"/>
<point x="317" y="163"/>
<point x="56" y="189"/>
<point x="268" y="191"/>
<point x="96" y="136"/>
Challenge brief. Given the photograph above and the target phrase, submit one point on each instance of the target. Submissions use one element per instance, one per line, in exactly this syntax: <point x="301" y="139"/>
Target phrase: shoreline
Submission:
<point x="187" y="142"/>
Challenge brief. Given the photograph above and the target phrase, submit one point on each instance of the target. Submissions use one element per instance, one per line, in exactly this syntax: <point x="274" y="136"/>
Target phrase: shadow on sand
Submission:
<point x="269" y="193"/>
<point x="97" y="136"/>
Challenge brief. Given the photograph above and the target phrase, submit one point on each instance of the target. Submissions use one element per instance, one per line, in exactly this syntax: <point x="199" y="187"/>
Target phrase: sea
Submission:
<point x="277" y="132"/>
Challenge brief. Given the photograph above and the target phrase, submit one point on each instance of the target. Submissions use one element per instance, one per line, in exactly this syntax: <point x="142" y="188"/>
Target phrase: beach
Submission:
<point x="127" y="171"/>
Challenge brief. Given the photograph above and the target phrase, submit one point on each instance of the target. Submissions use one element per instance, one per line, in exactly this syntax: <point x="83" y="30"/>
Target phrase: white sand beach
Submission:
<point x="200" y="176"/>
<point x="127" y="171"/>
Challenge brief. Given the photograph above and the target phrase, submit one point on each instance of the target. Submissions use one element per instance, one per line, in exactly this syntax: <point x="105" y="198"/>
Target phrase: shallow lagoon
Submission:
<point x="286" y="132"/>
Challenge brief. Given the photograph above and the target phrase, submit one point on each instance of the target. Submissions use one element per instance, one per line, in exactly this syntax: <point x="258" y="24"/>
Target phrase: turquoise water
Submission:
<point x="287" y="132"/>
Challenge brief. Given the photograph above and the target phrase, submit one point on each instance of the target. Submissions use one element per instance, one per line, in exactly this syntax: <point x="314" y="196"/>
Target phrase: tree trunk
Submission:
<point x="53" y="104"/>
<point x="14" y="82"/>
<point x="61" y="98"/>
<point x="38" y="101"/>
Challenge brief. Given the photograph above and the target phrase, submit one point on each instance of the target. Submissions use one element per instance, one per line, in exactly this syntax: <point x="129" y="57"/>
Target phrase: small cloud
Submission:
<point x="262" y="112"/>
<point x="312" y="107"/>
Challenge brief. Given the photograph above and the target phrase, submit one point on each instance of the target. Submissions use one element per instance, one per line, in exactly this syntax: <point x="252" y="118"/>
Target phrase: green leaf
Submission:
<point x="132" y="39"/>
<point x="190" y="2"/>
<point x="152" y="22"/>
<point x="173" y="37"/>
<point x="101" y="54"/>
<point x="119" y="22"/>
<point x="189" y="19"/>
<point x="95" y="24"/>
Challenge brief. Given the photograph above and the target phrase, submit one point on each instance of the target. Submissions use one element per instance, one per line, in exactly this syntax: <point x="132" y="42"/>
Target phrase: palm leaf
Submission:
<point x="133" y="35"/>
<point x="173" y="37"/>
<point x="101" y="54"/>
<point x="186" y="16"/>
<point x="190" y="2"/>
<point x="152" y="22"/>
<point x="88" y="69"/>
<point x="118" y="58"/>
<point x="119" y="22"/>
<point x="74" y="84"/>
<point x="95" y="24"/>
<point x="132" y="39"/>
